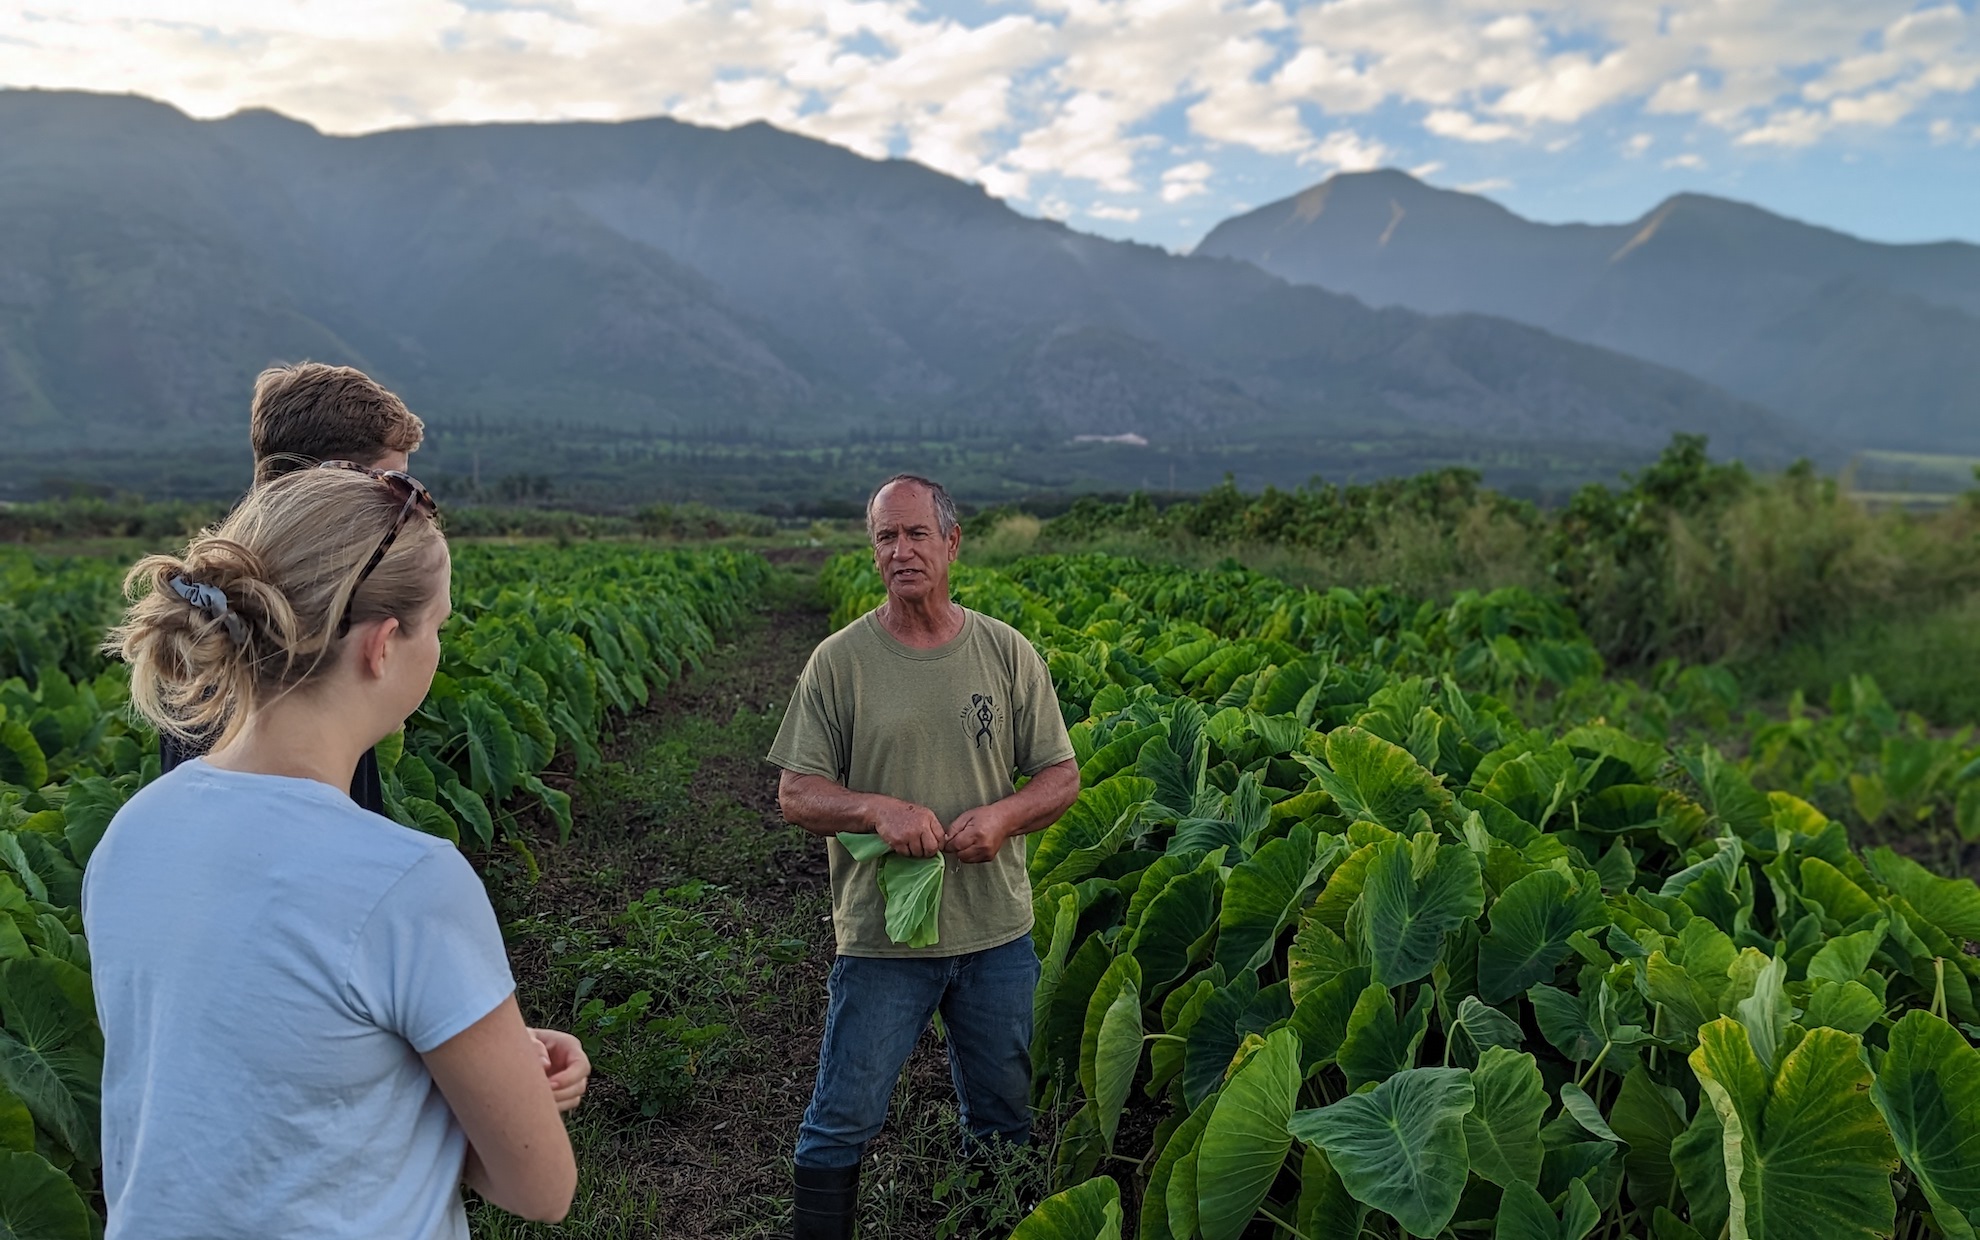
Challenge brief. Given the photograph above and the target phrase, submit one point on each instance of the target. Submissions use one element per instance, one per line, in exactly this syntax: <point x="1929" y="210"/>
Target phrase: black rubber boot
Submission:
<point x="826" y="1199"/>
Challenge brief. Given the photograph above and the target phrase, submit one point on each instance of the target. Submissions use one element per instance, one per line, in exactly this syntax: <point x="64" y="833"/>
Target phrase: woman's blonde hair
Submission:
<point x="252" y="609"/>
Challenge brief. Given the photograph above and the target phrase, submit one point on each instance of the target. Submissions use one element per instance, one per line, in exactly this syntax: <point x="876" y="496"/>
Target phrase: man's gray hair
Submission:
<point x="945" y="508"/>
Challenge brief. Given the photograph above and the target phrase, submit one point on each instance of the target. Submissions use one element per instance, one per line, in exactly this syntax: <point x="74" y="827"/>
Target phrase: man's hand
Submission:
<point x="910" y="830"/>
<point x="565" y="1064"/>
<point x="978" y="835"/>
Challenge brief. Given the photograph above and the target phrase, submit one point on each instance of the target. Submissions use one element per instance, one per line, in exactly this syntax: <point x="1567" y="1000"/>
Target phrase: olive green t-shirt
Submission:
<point x="947" y="728"/>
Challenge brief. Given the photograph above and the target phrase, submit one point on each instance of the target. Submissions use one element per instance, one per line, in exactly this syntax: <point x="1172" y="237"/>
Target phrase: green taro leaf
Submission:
<point x="1849" y="1006"/>
<point x="495" y="760"/>
<point x="1097" y="811"/>
<point x="1535" y="785"/>
<point x="471" y="809"/>
<point x="1175" y="762"/>
<point x="1057" y="1039"/>
<point x="1060" y="913"/>
<point x="16" y="1123"/>
<point x="1262" y="896"/>
<point x="1698" y="1157"/>
<point x="863" y="845"/>
<point x="1377" y="1044"/>
<point x="1579" y="1107"/>
<point x="1687" y="1001"/>
<point x="1176" y="920"/>
<point x="37" y="1202"/>
<point x="1399" y="1147"/>
<point x="1246" y="1141"/>
<point x="1182" y="1192"/>
<point x="1532" y="921"/>
<point x="1231" y="1015"/>
<point x="1164" y="870"/>
<point x="1805" y="1152"/>
<point x="1117" y="754"/>
<point x="1845" y="957"/>
<point x="1502" y="1130"/>
<point x="1667" y="1226"/>
<point x="556" y="800"/>
<point x="1110" y="1044"/>
<point x="1649" y="1117"/>
<point x="51" y="1054"/>
<point x="1579" y="1026"/>
<point x="1415" y="892"/>
<point x="1325" y="1206"/>
<point x="21" y="761"/>
<point x="1839" y="897"/>
<point x="1322" y="1017"/>
<point x="430" y="818"/>
<point x="1155" y="1197"/>
<point x="1317" y="956"/>
<point x="1371" y="778"/>
<point x="1088" y="1211"/>
<point x="1953" y="905"/>
<point x="1525" y="1215"/>
<point x="92" y="802"/>
<point x="1765" y="1012"/>
<point x="1928" y="1091"/>
<point x="1487" y="1027"/>
<point x="913" y="887"/>
<point x="1343" y="887"/>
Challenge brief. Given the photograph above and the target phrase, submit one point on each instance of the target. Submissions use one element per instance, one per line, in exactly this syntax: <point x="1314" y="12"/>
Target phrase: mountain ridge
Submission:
<point x="1747" y="299"/>
<point x="661" y="277"/>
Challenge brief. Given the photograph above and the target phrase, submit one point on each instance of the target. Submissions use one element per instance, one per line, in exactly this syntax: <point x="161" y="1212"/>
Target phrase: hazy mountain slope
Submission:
<point x="1870" y="344"/>
<point x="659" y="275"/>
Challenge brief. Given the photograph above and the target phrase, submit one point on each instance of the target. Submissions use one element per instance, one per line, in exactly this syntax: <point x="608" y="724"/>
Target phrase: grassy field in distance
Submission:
<point x="1909" y="479"/>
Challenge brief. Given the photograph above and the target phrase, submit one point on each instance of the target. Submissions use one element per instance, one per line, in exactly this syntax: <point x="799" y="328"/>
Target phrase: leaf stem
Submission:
<point x="1296" y="1232"/>
<point x="1593" y="1067"/>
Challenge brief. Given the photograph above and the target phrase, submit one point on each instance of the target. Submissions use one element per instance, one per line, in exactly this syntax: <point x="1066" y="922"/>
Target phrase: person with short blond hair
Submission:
<point x="309" y="1022"/>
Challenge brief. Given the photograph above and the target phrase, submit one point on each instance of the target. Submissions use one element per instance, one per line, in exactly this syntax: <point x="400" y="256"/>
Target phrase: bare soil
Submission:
<point x="684" y="794"/>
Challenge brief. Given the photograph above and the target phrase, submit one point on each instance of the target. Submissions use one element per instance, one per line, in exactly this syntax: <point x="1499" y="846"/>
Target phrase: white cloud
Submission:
<point x="1790" y="127"/>
<point x="1486" y="186"/>
<point x="1347" y="151"/>
<point x="1186" y="181"/>
<point x="1424" y="171"/>
<point x="1689" y="160"/>
<point x="1054" y="101"/>
<point x="1109" y="211"/>
<point x="1945" y="131"/>
<point x="1239" y="108"/>
<point x="1452" y="123"/>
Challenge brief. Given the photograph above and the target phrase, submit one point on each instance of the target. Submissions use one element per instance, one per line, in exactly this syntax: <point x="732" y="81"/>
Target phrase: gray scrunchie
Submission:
<point x="211" y="602"/>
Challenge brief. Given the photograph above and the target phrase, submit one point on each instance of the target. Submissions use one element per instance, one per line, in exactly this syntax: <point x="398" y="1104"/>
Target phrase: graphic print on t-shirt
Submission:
<point x="980" y="717"/>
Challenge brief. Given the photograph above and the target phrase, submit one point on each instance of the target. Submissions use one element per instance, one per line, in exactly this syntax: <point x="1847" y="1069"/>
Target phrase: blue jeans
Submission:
<point x="879" y="1008"/>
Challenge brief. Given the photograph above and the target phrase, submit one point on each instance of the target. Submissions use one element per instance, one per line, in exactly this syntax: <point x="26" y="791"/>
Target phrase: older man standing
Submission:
<point x="911" y="723"/>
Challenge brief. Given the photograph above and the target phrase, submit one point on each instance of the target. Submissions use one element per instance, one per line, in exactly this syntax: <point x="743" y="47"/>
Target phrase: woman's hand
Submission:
<point x="565" y="1064"/>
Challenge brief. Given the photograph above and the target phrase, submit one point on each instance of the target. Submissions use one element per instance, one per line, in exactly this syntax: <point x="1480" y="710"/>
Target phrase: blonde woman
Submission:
<point x="310" y="1026"/>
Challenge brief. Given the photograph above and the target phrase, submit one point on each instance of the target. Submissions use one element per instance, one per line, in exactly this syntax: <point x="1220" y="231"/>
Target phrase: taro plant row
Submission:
<point x="1334" y="944"/>
<point x="544" y="644"/>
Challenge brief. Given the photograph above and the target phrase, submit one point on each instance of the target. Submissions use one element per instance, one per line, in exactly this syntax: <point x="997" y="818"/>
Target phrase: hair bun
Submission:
<point x="211" y="602"/>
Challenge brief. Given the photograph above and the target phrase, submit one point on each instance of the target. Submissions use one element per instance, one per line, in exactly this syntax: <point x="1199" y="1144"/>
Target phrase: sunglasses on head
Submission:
<point x="416" y="499"/>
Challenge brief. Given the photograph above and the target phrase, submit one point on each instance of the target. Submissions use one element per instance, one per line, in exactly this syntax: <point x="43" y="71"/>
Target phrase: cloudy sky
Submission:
<point x="1149" y="119"/>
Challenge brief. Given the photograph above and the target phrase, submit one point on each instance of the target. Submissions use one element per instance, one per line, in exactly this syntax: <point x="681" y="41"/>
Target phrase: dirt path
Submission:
<point x="684" y="801"/>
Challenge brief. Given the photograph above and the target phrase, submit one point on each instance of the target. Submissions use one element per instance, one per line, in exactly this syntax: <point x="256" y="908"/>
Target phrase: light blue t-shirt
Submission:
<point x="270" y="962"/>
